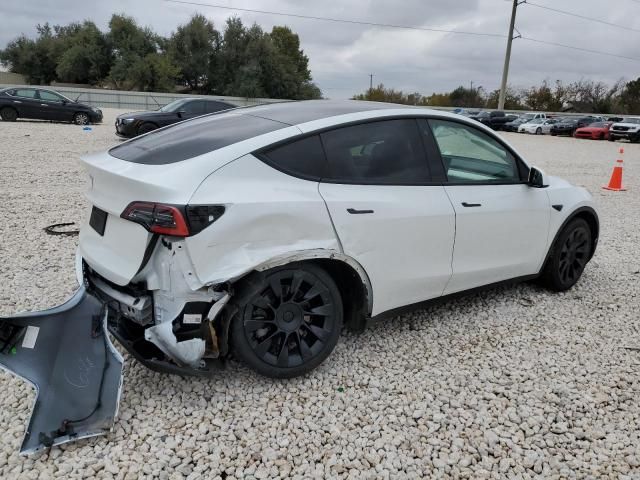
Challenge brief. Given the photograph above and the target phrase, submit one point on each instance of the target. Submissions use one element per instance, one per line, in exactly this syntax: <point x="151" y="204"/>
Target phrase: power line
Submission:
<point x="577" y="15"/>
<point x="597" y="52"/>
<point x="405" y="27"/>
<point x="339" y="20"/>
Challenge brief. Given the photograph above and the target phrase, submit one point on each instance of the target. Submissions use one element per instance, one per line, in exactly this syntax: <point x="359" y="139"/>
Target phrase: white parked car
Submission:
<point x="538" y="126"/>
<point x="628" y="129"/>
<point x="263" y="231"/>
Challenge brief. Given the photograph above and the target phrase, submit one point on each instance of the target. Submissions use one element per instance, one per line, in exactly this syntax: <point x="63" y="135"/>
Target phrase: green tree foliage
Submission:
<point x="239" y="61"/>
<point x="582" y="96"/>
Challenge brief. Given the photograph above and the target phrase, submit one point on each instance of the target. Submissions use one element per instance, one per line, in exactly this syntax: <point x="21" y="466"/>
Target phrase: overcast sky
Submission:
<point x="343" y="55"/>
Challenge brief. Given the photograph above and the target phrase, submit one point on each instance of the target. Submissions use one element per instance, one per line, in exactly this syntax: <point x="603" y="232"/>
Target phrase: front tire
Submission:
<point x="288" y="320"/>
<point x="538" y="131"/>
<point x="8" y="114"/>
<point x="568" y="257"/>
<point x="81" y="118"/>
<point x="146" y="128"/>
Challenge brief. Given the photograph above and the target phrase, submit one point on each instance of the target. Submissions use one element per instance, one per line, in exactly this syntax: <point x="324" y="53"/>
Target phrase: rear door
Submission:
<point x="193" y="108"/>
<point x="26" y="102"/>
<point x="502" y="224"/>
<point x="388" y="214"/>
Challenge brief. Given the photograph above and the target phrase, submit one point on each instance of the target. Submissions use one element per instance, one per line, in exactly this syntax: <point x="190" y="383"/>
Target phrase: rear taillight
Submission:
<point x="171" y="219"/>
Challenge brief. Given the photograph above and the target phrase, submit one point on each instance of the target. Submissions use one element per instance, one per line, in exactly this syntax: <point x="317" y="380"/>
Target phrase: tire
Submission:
<point x="146" y="127"/>
<point x="601" y="137"/>
<point x="553" y="134"/>
<point x="611" y="138"/>
<point x="288" y="320"/>
<point x="538" y="131"/>
<point x="81" y="118"/>
<point x="568" y="256"/>
<point x="8" y="114"/>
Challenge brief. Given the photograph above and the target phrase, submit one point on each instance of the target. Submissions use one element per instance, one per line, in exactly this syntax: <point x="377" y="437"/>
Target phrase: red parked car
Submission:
<point x="595" y="131"/>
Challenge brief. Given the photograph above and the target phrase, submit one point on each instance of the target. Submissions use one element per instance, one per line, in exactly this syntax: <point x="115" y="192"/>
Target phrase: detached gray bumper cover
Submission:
<point x="65" y="353"/>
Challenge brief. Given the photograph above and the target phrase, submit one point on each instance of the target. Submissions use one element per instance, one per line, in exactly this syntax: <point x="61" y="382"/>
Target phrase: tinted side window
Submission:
<point x="386" y="152"/>
<point x="25" y="93"/>
<point x="211" y="107"/>
<point x="471" y="156"/>
<point x="301" y="158"/>
<point x="194" y="107"/>
<point x="50" y="96"/>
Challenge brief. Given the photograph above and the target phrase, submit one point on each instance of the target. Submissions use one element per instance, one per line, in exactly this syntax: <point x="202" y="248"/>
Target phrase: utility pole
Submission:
<point x="370" y="81"/>
<point x="507" y="58"/>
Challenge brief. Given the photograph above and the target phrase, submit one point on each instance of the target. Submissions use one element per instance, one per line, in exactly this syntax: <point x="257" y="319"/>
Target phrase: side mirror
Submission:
<point x="537" y="178"/>
<point x="180" y="113"/>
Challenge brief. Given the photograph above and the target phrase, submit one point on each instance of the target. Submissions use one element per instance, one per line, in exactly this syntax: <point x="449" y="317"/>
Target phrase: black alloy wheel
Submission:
<point x="289" y="323"/>
<point x="569" y="256"/>
<point x="146" y="128"/>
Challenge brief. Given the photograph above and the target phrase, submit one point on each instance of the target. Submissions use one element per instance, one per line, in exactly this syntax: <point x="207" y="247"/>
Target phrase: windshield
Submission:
<point x="528" y="116"/>
<point x="173" y="106"/>
<point x="537" y="120"/>
<point x="632" y="120"/>
<point x="598" y="125"/>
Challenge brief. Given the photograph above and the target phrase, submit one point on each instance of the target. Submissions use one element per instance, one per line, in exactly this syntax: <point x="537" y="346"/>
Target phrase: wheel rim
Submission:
<point x="573" y="255"/>
<point x="290" y="320"/>
<point x="82" y="119"/>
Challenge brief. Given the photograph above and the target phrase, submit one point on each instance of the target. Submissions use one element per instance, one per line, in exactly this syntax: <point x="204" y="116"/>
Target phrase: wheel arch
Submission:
<point x="348" y="274"/>
<point x="591" y="217"/>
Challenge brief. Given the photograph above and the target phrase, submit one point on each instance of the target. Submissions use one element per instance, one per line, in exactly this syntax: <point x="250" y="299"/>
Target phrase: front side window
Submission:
<point x="384" y="152"/>
<point x="50" y="96"/>
<point x="471" y="156"/>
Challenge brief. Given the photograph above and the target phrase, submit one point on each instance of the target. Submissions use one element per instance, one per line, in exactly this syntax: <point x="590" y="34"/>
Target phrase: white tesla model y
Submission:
<point x="264" y="230"/>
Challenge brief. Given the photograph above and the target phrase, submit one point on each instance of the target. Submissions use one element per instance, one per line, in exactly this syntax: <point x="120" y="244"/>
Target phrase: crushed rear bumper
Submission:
<point x="66" y="354"/>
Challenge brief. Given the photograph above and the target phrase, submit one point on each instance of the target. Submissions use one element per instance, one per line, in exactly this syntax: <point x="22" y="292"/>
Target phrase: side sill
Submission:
<point x="445" y="298"/>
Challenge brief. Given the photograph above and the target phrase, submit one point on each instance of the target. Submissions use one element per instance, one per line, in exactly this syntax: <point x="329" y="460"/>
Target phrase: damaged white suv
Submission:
<point x="263" y="231"/>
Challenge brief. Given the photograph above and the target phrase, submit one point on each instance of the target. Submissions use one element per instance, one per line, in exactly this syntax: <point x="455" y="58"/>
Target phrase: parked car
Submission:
<point x="136" y="123"/>
<point x="495" y="120"/>
<point x="44" y="104"/>
<point x="629" y="129"/>
<point x="265" y="230"/>
<point x="569" y="125"/>
<point x="595" y="131"/>
<point x="513" y="125"/>
<point x="538" y="126"/>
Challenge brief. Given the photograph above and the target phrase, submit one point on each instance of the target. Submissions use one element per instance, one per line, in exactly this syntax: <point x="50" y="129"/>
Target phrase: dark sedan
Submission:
<point x="136" y="123"/>
<point x="42" y="104"/>
<point x="569" y="125"/>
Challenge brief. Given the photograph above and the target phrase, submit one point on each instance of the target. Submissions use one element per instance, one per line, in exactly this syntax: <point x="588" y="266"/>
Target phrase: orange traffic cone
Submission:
<point x="615" y="183"/>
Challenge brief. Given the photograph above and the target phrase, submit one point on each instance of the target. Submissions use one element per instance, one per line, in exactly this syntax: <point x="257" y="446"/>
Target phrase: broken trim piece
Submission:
<point x="74" y="369"/>
<point x="188" y="352"/>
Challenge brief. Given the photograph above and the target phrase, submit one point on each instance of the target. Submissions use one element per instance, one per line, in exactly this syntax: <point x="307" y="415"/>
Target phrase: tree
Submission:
<point x="543" y="98"/>
<point x="36" y="59"/>
<point x="513" y="99"/>
<point x="193" y="47"/>
<point x="86" y="54"/>
<point x="630" y="97"/>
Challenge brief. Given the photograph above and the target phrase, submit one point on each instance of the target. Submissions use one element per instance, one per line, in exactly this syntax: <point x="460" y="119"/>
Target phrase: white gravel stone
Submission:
<point x="514" y="382"/>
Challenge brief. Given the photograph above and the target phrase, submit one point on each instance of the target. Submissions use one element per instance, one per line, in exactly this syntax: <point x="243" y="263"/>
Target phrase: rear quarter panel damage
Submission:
<point x="270" y="215"/>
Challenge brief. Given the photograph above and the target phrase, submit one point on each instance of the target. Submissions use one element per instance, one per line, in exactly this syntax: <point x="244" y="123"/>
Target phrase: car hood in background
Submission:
<point x="149" y="115"/>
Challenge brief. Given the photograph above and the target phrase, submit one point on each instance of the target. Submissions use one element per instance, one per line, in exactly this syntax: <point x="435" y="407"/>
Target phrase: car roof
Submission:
<point x="295" y="113"/>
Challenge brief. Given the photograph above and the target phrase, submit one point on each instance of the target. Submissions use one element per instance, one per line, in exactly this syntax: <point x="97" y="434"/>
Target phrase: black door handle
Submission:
<point x="465" y="204"/>
<point x="353" y="211"/>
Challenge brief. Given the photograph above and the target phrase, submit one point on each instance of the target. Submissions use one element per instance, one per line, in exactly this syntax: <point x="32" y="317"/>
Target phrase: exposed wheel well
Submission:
<point x="353" y="291"/>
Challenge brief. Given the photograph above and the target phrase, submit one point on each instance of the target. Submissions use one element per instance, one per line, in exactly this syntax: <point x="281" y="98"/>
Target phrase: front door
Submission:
<point x="386" y="213"/>
<point x="502" y="224"/>
<point x="53" y="107"/>
<point x="26" y="102"/>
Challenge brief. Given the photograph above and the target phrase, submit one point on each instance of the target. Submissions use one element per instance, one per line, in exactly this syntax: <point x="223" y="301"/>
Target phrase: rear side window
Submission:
<point x="191" y="138"/>
<point x="383" y="153"/>
<point x="196" y="106"/>
<point x="25" y="93"/>
<point x="211" y="107"/>
<point x="302" y="158"/>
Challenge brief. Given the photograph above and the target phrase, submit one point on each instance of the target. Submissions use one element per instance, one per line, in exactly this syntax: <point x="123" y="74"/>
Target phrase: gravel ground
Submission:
<point x="512" y="383"/>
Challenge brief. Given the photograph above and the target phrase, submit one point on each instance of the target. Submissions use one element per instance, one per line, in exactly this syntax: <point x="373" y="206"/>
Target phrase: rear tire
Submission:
<point x="538" y="131"/>
<point x="611" y="138"/>
<point x="288" y="320"/>
<point x="568" y="256"/>
<point x="81" y="118"/>
<point x="146" y="128"/>
<point x="8" y="114"/>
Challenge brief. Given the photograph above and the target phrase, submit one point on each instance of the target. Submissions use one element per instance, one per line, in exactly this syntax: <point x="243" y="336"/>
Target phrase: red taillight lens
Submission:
<point x="157" y="218"/>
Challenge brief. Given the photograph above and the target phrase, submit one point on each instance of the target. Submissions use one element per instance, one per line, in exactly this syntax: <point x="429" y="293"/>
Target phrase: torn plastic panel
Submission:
<point x="65" y="353"/>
